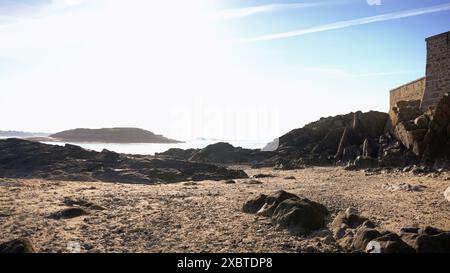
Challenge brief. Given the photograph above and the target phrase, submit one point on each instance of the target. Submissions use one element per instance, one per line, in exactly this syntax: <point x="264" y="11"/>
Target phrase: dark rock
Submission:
<point x="417" y="170"/>
<point x="362" y="162"/>
<point x="427" y="239"/>
<point x="225" y="153"/>
<point x="389" y="243"/>
<point x="253" y="182"/>
<point x="82" y="203"/>
<point x="351" y="152"/>
<point x="348" y="220"/>
<point x="272" y="201"/>
<point x="263" y="175"/>
<point x="290" y="178"/>
<point x="77" y="202"/>
<point x="253" y="205"/>
<point x="392" y="153"/>
<point x="409" y="230"/>
<point x="422" y="122"/>
<point x="430" y="230"/>
<point x="437" y="139"/>
<point x="363" y="236"/>
<point x="109" y="157"/>
<point x="370" y="148"/>
<point x="23" y="245"/>
<point x="438" y="243"/>
<point x="68" y="213"/>
<point x="176" y="153"/>
<point x="230" y="181"/>
<point x="298" y="215"/>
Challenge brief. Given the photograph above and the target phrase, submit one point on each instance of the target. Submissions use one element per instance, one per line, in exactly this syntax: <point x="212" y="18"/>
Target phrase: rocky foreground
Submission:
<point x="209" y="216"/>
<point x="28" y="159"/>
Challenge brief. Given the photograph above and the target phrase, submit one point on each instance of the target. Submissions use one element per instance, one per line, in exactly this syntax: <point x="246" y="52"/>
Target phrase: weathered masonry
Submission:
<point x="408" y="92"/>
<point x="438" y="69"/>
<point x="429" y="89"/>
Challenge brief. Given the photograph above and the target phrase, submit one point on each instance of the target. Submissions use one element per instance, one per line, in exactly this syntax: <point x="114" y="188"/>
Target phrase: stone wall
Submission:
<point x="408" y="92"/>
<point x="438" y="69"/>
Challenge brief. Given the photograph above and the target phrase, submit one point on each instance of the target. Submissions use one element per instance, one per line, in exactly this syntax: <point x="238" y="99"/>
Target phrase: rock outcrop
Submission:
<point x="27" y="159"/>
<point x="424" y="137"/>
<point x="332" y="139"/>
<point x="299" y="216"/>
<point x="221" y="153"/>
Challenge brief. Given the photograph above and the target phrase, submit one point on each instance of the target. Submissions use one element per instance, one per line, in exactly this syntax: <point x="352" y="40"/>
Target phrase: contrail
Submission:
<point x="244" y="12"/>
<point x="350" y="23"/>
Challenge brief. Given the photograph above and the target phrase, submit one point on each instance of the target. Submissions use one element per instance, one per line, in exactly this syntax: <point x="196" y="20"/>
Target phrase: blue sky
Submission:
<point x="222" y="69"/>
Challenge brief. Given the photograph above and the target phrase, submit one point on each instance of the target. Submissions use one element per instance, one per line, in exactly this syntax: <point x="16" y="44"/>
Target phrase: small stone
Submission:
<point x="263" y="175"/>
<point x="253" y="182"/>
<point x="349" y="211"/>
<point x="290" y="178"/>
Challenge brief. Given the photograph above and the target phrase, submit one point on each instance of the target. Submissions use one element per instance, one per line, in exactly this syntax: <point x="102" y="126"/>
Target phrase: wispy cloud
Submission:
<point x="338" y="72"/>
<point x="244" y="12"/>
<point x="19" y="10"/>
<point x="341" y="73"/>
<point x="350" y="23"/>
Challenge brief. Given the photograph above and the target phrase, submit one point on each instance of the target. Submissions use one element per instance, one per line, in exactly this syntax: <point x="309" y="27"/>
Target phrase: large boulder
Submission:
<point x="300" y="216"/>
<point x="272" y="201"/>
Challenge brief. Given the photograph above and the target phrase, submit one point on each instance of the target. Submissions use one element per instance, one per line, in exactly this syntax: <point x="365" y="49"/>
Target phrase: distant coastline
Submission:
<point x="22" y="134"/>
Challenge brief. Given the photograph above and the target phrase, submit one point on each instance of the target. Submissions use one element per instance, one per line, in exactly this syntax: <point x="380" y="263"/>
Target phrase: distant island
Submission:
<point x="107" y="135"/>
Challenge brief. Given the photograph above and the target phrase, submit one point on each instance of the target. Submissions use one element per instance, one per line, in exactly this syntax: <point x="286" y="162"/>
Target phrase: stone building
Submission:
<point x="427" y="91"/>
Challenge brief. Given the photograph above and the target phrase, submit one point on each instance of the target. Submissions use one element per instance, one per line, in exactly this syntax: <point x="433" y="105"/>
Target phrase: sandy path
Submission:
<point x="206" y="216"/>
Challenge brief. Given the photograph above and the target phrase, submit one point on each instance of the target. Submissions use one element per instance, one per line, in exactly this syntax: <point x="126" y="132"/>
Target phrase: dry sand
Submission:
<point x="207" y="216"/>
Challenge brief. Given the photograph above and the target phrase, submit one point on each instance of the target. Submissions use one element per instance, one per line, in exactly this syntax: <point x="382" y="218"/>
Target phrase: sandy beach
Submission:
<point x="207" y="216"/>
